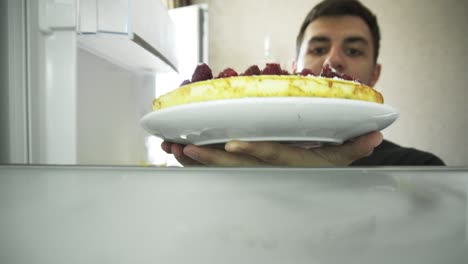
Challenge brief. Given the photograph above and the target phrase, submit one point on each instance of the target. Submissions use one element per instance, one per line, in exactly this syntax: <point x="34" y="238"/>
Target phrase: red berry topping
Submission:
<point x="185" y="82"/>
<point x="252" y="70"/>
<point x="228" y="72"/>
<point x="306" y="72"/>
<point x="202" y="72"/>
<point x="329" y="72"/>
<point x="272" y="69"/>
<point x="284" y="72"/>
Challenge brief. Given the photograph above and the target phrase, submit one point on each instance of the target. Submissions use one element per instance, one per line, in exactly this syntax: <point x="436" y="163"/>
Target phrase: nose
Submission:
<point x="335" y="58"/>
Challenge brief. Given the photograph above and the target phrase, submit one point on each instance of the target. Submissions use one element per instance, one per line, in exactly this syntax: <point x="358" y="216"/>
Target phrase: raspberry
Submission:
<point x="306" y="72"/>
<point x="272" y="69"/>
<point x="185" y="82"/>
<point x="284" y="72"/>
<point x="228" y="72"/>
<point x="329" y="72"/>
<point x="252" y="70"/>
<point x="201" y="73"/>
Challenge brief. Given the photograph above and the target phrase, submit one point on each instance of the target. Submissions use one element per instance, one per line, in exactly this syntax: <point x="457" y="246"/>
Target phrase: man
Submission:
<point x="345" y="35"/>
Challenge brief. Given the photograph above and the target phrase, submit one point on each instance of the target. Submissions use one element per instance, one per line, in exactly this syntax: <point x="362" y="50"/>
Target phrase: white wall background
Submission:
<point x="424" y="53"/>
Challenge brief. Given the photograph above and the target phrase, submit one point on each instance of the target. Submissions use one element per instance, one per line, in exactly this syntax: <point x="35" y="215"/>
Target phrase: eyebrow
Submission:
<point x="319" y="39"/>
<point x="356" y="39"/>
<point x="348" y="40"/>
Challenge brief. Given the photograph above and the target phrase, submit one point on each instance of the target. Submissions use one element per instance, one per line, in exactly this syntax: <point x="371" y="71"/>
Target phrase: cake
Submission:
<point x="272" y="81"/>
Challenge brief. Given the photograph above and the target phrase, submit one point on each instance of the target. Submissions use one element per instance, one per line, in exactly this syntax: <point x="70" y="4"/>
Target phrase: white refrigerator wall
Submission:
<point x="13" y="92"/>
<point x="111" y="100"/>
<point x="51" y="75"/>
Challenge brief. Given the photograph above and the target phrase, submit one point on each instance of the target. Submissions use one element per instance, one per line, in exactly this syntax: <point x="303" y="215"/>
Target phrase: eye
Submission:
<point x="353" y="52"/>
<point x="317" y="51"/>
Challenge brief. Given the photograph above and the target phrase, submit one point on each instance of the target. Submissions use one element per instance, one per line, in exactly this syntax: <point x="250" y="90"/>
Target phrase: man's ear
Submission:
<point x="376" y="74"/>
<point x="294" y="66"/>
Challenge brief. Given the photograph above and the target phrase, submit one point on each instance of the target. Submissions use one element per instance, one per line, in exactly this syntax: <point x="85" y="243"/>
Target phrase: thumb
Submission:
<point x="361" y="147"/>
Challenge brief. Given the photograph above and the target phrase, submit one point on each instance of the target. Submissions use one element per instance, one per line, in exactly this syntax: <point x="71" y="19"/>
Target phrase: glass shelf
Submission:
<point x="57" y="214"/>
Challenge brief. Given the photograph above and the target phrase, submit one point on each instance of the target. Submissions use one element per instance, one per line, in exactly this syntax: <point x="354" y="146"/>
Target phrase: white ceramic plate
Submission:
<point x="282" y="119"/>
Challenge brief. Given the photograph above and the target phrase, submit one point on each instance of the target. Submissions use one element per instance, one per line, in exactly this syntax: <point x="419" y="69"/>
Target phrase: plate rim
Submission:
<point x="149" y="117"/>
<point x="260" y="100"/>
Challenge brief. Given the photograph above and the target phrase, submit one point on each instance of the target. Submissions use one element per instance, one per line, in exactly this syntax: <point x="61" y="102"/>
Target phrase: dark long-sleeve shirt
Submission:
<point x="391" y="154"/>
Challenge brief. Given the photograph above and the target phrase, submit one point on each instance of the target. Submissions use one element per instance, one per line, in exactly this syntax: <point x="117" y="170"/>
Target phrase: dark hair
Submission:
<point x="342" y="8"/>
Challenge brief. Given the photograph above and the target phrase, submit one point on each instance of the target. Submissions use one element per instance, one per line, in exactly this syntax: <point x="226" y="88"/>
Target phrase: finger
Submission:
<point x="361" y="147"/>
<point x="166" y="146"/>
<point x="276" y="153"/>
<point x="218" y="157"/>
<point x="177" y="151"/>
<point x="284" y="155"/>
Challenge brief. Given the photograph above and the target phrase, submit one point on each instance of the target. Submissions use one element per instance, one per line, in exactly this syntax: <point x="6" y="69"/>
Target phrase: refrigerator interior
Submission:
<point x="79" y="76"/>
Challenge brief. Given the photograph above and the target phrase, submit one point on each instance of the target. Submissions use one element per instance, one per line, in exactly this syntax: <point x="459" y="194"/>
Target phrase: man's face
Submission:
<point x="343" y="42"/>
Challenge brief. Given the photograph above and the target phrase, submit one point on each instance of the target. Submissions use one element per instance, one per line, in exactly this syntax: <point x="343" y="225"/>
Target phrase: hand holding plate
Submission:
<point x="242" y="153"/>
